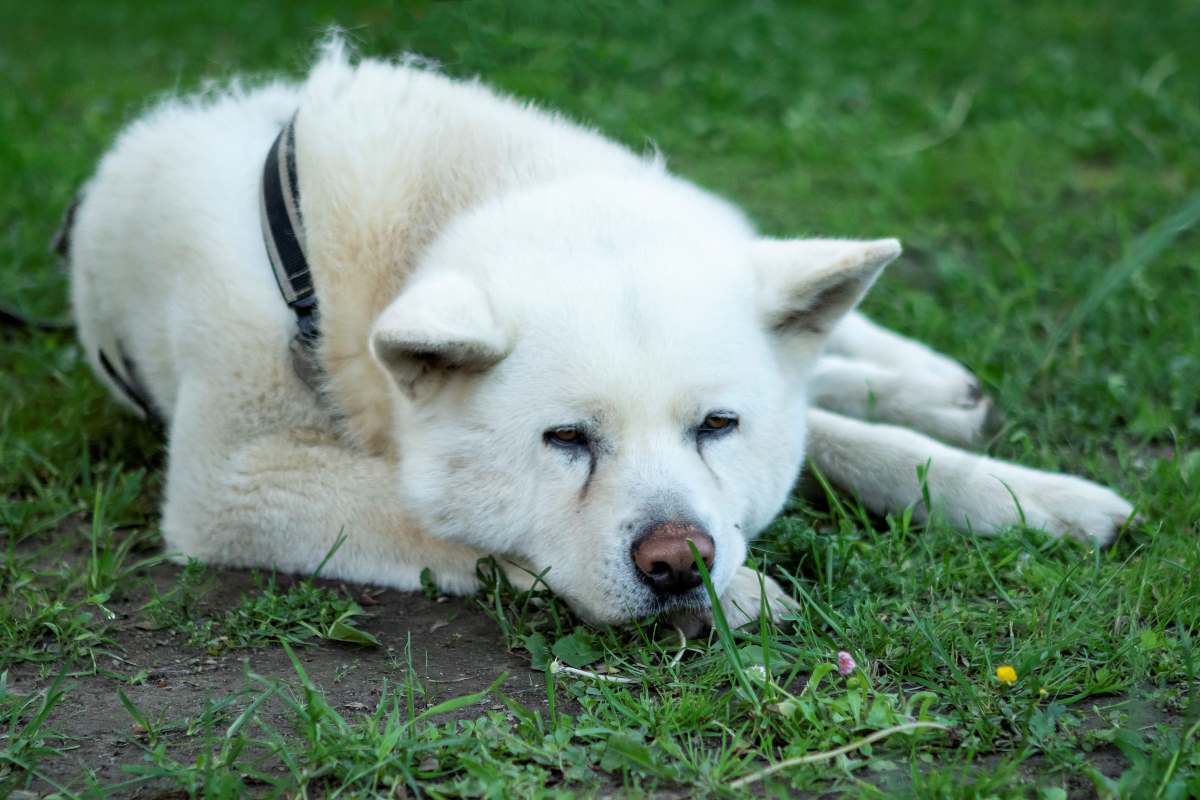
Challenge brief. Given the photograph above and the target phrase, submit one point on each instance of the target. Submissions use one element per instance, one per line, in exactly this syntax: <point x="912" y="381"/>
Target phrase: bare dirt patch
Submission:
<point x="455" y="649"/>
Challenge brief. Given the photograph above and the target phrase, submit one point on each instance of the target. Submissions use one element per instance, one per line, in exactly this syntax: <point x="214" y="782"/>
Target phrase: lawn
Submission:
<point x="1041" y="162"/>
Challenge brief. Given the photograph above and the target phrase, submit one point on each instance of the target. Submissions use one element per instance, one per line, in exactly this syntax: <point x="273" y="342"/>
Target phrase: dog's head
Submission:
<point x="592" y="374"/>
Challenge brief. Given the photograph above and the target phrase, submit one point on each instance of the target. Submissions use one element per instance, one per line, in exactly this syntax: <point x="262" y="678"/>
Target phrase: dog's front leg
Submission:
<point x="879" y="464"/>
<point x="281" y="501"/>
<point x="741" y="603"/>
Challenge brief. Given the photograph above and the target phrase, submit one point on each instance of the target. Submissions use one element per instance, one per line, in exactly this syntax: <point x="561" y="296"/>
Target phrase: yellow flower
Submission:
<point x="1006" y="674"/>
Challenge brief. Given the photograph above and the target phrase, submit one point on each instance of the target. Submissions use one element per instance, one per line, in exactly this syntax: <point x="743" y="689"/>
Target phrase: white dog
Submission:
<point x="524" y="341"/>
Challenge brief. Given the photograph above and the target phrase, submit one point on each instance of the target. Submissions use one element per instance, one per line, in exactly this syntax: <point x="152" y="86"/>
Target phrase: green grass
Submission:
<point x="295" y="615"/>
<point x="55" y="604"/>
<point x="371" y="754"/>
<point x="1039" y="161"/>
<point x="25" y="738"/>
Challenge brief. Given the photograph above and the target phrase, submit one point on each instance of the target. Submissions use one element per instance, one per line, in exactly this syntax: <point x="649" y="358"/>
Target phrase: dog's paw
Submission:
<point x="741" y="603"/>
<point x="947" y="403"/>
<point x="1068" y="506"/>
<point x="955" y="411"/>
<point x="1061" y="505"/>
<point x="742" y="600"/>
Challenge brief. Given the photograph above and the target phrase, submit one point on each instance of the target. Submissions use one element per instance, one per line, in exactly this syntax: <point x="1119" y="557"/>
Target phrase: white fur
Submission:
<point x="487" y="272"/>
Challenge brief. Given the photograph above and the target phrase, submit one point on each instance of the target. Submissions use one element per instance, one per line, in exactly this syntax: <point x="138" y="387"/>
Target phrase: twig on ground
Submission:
<point x="754" y="777"/>
<point x="682" y="648"/>
<point x="557" y="667"/>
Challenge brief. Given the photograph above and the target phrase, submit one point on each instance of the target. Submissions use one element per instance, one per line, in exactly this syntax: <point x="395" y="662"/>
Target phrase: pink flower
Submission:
<point x="846" y="663"/>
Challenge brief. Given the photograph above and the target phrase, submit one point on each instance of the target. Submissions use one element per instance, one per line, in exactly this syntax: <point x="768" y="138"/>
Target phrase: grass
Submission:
<point x="375" y="753"/>
<point x="294" y="615"/>
<point x="55" y="605"/>
<point x="269" y="616"/>
<point x="1040" y="163"/>
<point x="25" y="738"/>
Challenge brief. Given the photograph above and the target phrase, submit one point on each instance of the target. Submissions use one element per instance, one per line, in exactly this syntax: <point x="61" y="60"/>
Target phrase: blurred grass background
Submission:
<point x="1040" y="160"/>
<point x="1016" y="148"/>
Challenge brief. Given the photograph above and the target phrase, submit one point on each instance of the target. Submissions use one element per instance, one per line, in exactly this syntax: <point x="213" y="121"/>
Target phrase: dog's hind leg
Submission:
<point x="871" y="373"/>
<point x="950" y="410"/>
<point x="860" y="339"/>
<point x="879" y="464"/>
<point x="281" y="501"/>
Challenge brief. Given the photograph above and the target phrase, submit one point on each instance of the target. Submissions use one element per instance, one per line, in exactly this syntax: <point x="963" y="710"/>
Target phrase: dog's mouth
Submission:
<point x="637" y="602"/>
<point x="645" y="607"/>
<point x="664" y="605"/>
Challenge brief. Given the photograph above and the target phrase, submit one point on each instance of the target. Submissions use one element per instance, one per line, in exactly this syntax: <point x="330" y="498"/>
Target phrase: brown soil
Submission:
<point x="455" y="648"/>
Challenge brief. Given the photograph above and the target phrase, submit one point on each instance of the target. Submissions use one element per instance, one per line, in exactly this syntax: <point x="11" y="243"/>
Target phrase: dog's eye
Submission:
<point x="718" y="423"/>
<point x="566" y="436"/>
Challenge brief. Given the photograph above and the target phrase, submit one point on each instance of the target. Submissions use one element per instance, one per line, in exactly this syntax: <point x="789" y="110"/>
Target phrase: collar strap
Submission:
<point x="283" y="232"/>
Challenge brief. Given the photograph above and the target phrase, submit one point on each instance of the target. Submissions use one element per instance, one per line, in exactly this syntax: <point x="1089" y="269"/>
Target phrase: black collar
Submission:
<point x="283" y="235"/>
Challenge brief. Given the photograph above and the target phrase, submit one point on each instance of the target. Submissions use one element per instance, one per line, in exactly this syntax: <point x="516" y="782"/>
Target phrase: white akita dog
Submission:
<point x="532" y="343"/>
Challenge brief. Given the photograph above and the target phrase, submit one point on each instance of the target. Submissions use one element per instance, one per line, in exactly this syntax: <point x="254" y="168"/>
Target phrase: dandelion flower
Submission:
<point x="846" y="663"/>
<point x="1006" y="674"/>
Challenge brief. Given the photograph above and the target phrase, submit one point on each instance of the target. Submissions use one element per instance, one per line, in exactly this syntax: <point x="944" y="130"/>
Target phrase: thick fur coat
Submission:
<point x="535" y="344"/>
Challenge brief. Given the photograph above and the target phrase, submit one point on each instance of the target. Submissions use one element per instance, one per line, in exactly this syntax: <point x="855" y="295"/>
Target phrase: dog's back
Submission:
<point x="165" y="248"/>
<point x="167" y="253"/>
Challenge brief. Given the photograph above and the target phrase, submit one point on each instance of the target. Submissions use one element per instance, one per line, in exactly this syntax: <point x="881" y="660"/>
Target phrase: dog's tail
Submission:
<point x="60" y="245"/>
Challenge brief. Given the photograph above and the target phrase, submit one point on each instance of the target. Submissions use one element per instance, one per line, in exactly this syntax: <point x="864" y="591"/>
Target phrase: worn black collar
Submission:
<point x="283" y="235"/>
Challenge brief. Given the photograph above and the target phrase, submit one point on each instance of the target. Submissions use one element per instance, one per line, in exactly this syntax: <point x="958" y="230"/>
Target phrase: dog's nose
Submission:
<point x="662" y="555"/>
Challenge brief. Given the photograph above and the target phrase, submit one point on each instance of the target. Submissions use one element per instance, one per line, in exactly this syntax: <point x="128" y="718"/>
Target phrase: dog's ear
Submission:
<point x="806" y="285"/>
<point x="435" y="327"/>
